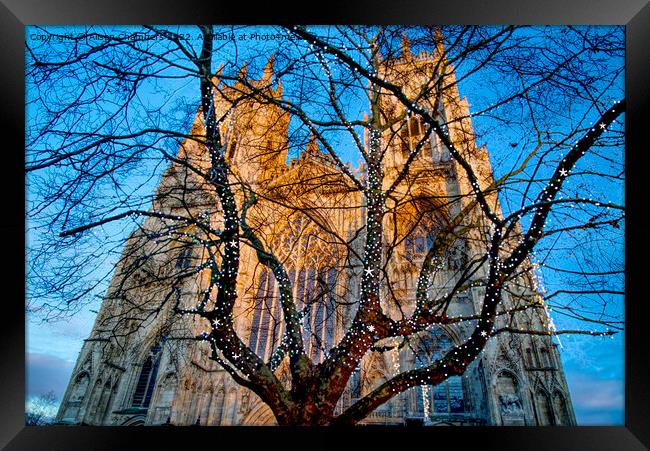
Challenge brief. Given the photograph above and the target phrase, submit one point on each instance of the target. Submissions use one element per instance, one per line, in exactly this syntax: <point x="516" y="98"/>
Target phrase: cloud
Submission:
<point x="598" y="401"/>
<point x="46" y="372"/>
<point x="62" y="339"/>
<point x="594" y="369"/>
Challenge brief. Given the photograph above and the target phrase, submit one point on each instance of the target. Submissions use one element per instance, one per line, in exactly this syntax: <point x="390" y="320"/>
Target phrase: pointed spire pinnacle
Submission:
<point x="406" y="48"/>
<point x="244" y="70"/>
<point x="268" y="69"/>
<point x="312" y="145"/>
<point x="216" y="78"/>
<point x="439" y="40"/>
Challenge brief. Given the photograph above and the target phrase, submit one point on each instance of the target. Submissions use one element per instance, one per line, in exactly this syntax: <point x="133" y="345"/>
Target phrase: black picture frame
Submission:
<point x="15" y="14"/>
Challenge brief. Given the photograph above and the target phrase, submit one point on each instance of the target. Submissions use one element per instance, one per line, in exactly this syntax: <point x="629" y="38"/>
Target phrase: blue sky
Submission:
<point x="593" y="365"/>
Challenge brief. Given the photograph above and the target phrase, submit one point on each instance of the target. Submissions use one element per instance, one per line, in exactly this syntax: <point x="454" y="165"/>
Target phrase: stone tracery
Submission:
<point x="319" y="271"/>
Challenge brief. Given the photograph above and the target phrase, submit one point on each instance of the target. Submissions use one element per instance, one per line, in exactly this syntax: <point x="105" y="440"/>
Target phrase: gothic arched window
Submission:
<point x="447" y="396"/>
<point x="219" y="407"/>
<point x="411" y="134"/>
<point x="457" y="255"/>
<point x="419" y="237"/>
<point x="265" y="327"/>
<point x="184" y="259"/>
<point x="165" y="398"/>
<point x="320" y="312"/>
<point x="310" y="255"/>
<point x="545" y="357"/>
<point x="77" y="394"/>
<point x="355" y="384"/>
<point x="147" y="379"/>
<point x="543" y="408"/>
<point x="109" y="401"/>
<point x="331" y="307"/>
<point x="99" y="411"/>
<point x="206" y="406"/>
<point x="561" y="410"/>
<point x="95" y="402"/>
<point x="308" y="300"/>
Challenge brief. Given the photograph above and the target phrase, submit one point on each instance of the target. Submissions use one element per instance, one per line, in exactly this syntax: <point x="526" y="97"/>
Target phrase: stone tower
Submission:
<point x="137" y="368"/>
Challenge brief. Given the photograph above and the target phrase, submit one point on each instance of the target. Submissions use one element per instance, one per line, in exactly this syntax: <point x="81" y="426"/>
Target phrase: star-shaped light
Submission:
<point x="232" y="243"/>
<point x="371" y="328"/>
<point x="483" y="333"/>
<point x="602" y="125"/>
<point x="369" y="271"/>
<point x="564" y="172"/>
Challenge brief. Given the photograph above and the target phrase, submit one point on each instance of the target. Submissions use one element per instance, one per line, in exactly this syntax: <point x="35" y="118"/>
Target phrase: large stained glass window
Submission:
<point x="266" y="324"/>
<point x="446" y="397"/>
<point x="147" y="379"/>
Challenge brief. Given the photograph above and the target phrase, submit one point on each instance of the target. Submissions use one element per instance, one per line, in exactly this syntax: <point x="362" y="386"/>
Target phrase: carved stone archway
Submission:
<point x="259" y="415"/>
<point x="136" y="420"/>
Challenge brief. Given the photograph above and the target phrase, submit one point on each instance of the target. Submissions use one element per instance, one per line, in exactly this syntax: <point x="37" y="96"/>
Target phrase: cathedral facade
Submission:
<point x="140" y="366"/>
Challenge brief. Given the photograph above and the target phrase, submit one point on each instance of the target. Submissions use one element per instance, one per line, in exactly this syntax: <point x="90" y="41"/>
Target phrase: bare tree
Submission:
<point x="385" y="96"/>
<point x="41" y="410"/>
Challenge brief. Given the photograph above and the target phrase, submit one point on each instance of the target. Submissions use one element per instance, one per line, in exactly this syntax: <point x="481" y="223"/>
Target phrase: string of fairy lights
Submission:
<point x="371" y="280"/>
<point x="539" y="291"/>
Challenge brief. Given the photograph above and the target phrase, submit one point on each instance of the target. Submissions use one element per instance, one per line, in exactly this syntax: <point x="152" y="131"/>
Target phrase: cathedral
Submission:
<point x="140" y="365"/>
